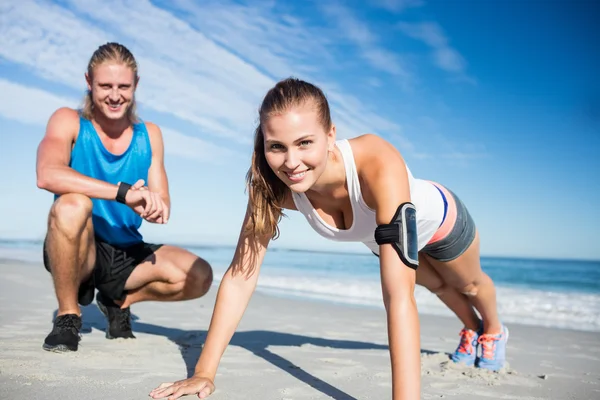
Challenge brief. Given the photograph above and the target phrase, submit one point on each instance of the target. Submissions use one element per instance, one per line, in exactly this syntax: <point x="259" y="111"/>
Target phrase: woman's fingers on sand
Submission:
<point x="177" y="389"/>
<point x="161" y="390"/>
<point x="205" y="393"/>
<point x="208" y="389"/>
<point x="176" y="392"/>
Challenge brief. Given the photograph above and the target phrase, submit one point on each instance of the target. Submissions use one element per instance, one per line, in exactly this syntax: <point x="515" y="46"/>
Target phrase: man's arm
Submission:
<point x="157" y="174"/>
<point x="53" y="157"/>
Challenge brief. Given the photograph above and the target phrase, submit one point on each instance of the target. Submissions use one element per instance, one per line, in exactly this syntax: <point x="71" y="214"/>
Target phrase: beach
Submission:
<point x="284" y="348"/>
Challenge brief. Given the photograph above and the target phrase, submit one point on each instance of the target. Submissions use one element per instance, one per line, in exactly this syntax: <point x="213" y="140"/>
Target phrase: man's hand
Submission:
<point x="149" y="205"/>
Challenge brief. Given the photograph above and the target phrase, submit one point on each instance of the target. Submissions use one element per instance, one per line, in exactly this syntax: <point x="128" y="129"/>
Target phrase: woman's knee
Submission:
<point x="438" y="288"/>
<point x="470" y="290"/>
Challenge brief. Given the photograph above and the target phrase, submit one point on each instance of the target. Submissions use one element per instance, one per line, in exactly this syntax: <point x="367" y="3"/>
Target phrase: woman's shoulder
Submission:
<point x="378" y="165"/>
<point x="373" y="152"/>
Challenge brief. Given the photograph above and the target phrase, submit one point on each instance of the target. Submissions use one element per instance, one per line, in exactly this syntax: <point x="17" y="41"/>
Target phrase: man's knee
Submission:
<point x="200" y="278"/>
<point x="70" y="213"/>
<point x="195" y="282"/>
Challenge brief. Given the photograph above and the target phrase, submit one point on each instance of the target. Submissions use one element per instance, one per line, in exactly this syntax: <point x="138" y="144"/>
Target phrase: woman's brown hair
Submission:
<point x="266" y="191"/>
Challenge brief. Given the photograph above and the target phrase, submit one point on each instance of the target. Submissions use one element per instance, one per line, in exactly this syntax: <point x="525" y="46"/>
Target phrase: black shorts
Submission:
<point x="114" y="265"/>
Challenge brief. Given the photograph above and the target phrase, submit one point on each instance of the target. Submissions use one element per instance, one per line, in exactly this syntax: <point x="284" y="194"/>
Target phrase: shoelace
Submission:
<point x="466" y="341"/>
<point x="124" y="319"/>
<point x="68" y="322"/>
<point x="488" y="345"/>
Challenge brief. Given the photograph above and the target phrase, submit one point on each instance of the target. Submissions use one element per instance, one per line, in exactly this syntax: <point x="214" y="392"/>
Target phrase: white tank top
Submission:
<point x="426" y="198"/>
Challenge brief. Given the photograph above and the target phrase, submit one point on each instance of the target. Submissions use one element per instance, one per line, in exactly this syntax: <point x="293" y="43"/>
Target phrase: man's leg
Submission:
<point x="171" y="274"/>
<point x="150" y="273"/>
<point x="70" y="257"/>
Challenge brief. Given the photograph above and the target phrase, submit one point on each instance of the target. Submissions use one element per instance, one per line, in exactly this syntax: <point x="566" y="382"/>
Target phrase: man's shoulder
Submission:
<point x="64" y="120"/>
<point x="66" y="114"/>
<point x="152" y="128"/>
<point x="154" y="133"/>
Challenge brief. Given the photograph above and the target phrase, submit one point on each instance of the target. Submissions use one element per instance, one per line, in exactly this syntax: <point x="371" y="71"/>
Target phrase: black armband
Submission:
<point x="401" y="233"/>
<point x="122" y="192"/>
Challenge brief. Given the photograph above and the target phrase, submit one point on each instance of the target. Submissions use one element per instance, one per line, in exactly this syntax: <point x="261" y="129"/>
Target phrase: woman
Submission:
<point x="354" y="190"/>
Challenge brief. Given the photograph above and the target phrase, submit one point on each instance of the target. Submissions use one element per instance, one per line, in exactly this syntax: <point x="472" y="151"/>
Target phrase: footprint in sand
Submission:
<point x="296" y="393"/>
<point x="338" y="361"/>
<point x="446" y="389"/>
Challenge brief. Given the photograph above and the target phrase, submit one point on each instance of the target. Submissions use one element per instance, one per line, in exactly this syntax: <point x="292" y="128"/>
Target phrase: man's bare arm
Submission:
<point x="53" y="156"/>
<point x="158" y="183"/>
<point x="157" y="175"/>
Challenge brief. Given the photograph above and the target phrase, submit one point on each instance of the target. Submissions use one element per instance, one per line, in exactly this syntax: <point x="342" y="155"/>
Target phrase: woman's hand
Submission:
<point x="199" y="385"/>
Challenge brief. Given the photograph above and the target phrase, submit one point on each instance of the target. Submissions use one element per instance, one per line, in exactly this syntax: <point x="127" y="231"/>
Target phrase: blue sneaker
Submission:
<point x="493" y="350"/>
<point x="466" y="352"/>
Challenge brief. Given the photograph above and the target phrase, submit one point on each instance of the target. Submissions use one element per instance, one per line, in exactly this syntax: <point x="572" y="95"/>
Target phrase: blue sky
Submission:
<point x="497" y="100"/>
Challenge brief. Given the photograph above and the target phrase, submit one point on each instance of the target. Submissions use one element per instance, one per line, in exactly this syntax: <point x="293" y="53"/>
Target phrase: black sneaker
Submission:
<point x="65" y="334"/>
<point x="119" y="320"/>
<point x="86" y="292"/>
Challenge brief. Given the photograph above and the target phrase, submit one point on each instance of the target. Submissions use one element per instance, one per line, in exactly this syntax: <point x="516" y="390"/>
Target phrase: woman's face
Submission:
<point x="296" y="146"/>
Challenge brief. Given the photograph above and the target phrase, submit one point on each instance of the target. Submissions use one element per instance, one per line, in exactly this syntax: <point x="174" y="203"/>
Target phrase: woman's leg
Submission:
<point x="465" y="275"/>
<point x="466" y="351"/>
<point x="452" y="298"/>
<point x="453" y="253"/>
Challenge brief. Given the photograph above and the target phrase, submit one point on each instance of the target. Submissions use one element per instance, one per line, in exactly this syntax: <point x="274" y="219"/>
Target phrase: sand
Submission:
<point x="283" y="349"/>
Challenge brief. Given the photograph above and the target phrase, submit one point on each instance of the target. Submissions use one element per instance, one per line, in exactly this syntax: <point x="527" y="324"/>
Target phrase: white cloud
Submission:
<point x="374" y="82"/>
<point x="397" y="5"/>
<point x="189" y="77"/>
<point x="459" y="152"/>
<point x="449" y="59"/>
<point x="367" y="42"/>
<point x="276" y="42"/>
<point x="29" y="105"/>
<point x="34" y="106"/>
<point x="193" y="148"/>
<point x="283" y="45"/>
<point x="432" y="34"/>
<point x="211" y="69"/>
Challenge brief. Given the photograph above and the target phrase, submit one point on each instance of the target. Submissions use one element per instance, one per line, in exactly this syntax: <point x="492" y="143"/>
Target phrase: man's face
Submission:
<point x="113" y="86"/>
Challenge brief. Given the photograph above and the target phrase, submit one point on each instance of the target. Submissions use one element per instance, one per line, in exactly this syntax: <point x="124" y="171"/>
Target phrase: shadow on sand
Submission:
<point x="190" y="344"/>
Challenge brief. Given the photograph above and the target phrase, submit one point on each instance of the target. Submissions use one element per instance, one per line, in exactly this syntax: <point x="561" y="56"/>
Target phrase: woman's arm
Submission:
<point x="233" y="296"/>
<point x="398" y="283"/>
<point x="386" y="187"/>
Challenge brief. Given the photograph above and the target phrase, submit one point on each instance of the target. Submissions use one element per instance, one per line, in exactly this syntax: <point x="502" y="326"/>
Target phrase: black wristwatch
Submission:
<point x="122" y="192"/>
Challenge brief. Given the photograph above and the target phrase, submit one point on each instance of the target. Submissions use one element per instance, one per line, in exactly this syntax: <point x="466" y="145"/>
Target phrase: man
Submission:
<point x="96" y="162"/>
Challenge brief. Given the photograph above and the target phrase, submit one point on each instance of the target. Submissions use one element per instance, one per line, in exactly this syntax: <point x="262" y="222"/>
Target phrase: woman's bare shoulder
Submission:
<point x="377" y="161"/>
<point x="372" y="152"/>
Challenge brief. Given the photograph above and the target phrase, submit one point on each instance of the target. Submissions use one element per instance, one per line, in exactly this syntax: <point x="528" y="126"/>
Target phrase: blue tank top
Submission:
<point x="114" y="223"/>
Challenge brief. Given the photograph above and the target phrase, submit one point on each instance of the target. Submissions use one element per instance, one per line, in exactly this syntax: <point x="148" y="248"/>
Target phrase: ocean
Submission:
<point x="551" y="293"/>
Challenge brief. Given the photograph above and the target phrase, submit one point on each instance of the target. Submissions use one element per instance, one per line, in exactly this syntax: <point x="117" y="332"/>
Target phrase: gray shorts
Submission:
<point x="458" y="239"/>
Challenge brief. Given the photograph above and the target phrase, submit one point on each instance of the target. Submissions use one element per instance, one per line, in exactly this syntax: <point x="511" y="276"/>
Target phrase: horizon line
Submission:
<point x="317" y="250"/>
